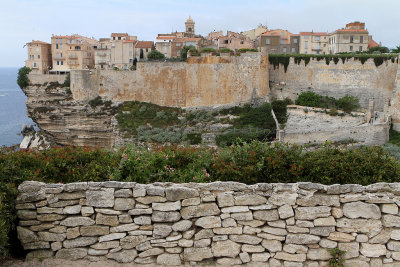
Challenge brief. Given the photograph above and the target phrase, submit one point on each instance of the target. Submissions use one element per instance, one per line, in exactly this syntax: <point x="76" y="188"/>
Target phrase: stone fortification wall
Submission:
<point x="202" y="81"/>
<point x="230" y="223"/>
<point x="307" y="125"/>
<point x="46" y="78"/>
<point x="363" y="81"/>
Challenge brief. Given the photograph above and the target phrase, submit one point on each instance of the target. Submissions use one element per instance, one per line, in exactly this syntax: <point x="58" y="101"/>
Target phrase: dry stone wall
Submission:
<point x="229" y="223"/>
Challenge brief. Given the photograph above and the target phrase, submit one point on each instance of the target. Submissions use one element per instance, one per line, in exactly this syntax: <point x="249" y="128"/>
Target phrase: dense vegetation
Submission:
<point x="23" y="80"/>
<point x="155" y="55"/>
<point x="249" y="163"/>
<point x="311" y="99"/>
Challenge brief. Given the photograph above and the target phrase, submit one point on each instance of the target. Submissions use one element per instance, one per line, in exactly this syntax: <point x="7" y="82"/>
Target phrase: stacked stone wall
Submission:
<point x="35" y="78"/>
<point x="227" y="223"/>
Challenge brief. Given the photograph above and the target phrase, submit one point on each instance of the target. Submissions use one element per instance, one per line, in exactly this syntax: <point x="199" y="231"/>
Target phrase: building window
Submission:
<point x="38" y="56"/>
<point x="56" y="46"/>
<point x="130" y="53"/>
<point x="351" y="39"/>
<point x="284" y="50"/>
<point x="316" y="38"/>
<point x="295" y="40"/>
<point x="361" y="48"/>
<point x="293" y="50"/>
<point x="361" y="39"/>
<point x="282" y="41"/>
<point x="241" y="42"/>
<point x="62" y="62"/>
<point x="147" y="50"/>
<point x="268" y="41"/>
<point x="306" y="37"/>
<point x="306" y="45"/>
<point x="178" y="44"/>
<point x="351" y="48"/>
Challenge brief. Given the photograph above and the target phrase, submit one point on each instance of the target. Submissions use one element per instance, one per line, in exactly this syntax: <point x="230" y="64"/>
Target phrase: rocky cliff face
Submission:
<point x="65" y="121"/>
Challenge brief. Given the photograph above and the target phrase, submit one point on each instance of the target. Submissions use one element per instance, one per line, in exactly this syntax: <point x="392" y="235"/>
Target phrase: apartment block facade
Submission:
<point x="102" y="54"/>
<point x="279" y="42"/>
<point x="354" y="37"/>
<point x="142" y="49"/>
<point x="314" y="43"/>
<point x="39" y="57"/>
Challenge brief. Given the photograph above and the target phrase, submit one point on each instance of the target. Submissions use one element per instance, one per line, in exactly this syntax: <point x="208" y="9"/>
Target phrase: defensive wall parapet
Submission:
<point x="35" y="78"/>
<point x="229" y="223"/>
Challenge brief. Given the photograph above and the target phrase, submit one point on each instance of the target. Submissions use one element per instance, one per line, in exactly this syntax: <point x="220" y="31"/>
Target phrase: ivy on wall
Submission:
<point x="284" y="59"/>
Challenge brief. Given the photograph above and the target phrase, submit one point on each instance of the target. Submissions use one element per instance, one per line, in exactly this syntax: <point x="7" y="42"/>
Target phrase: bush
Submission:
<point x="194" y="138"/>
<point x="186" y="49"/>
<point x="67" y="81"/>
<point x="309" y="99"/>
<point x="348" y="103"/>
<point x="23" y="80"/>
<point x="244" y="50"/>
<point x="155" y="55"/>
<point x="225" y="50"/>
<point x="207" y="50"/>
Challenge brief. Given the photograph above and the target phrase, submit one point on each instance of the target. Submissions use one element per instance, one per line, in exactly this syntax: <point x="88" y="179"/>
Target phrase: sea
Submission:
<point x="12" y="108"/>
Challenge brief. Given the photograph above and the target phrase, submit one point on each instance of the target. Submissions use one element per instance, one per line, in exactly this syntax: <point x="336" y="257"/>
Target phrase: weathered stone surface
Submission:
<point x="285" y="211"/>
<point x="108" y="211"/>
<point x="202" y="243"/>
<point x="319" y="200"/>
<point x="26" y="214"/>
<point x="228" y="230"/>
<point x="290" y="257"/>
<point x="106" y="245"/>
<point x="77" y="221"/>
<point x="79" y="242"/>
<point x="150" y="199"/>
<point x="393" y="245"/>
<point x="161" y="230"/>
<point x="123" y="256"/>
<point x="208" y="222"/>
<point x="136" y="212"/>
<point x="199" y="211"/>
<point x="360" y="209"/>
<point x="30" y="186"/>
<point x="94" y="230"/>
<point x="111" y="237"/>
<point x="124" y="228"/>
<point x="302" y="239"/>
<point x="36" y="245"/>
<point x="225" y="200"/>
<point x="250" y="199"/>
<point x="298" y="230"/>
<point x="328" y="221"/>
<point x="381" y="238"/>
<point x="244" y="257"/>
<point x="167" y="206"/>
<point x="260" y="257"/>
<point x="48" y="210"/>
<point x="341" y="237"/>
<point x="372" y="251"/>
<point x="130" y="242"/>
<point x="266" y="215"/>
<point x="72" y="254"/>
<point x="368" y="226"/>
<point x="110" y="220"/>
<point x="226" y="248"/>
<point x="311" y="213"/>
<point x="177" y="193"/>
<point x="142" y="220"/>
<point x="390" y="209"/>
<point x="169" y="259"/>
<point x="166" y="216"/>
<point x="391" y="221"/>
<point x="49" y="217"/>
<point x="247" y="239"/>
<point x="46" y="236"/>
<point x="182" y="225"/>
<point x="197" y="254"/>
<point x="274" y="231"/>
<point x="194" y="201"/>
<point x="318" y="254"/>
<point x="124" y="203"/>
<point x="242" y="216"/>
<point x="395" y="234"/>
<point x="272" y="245"/>
<point x="26" y="236"/>
<point x="252" y="248"/>
<point x="229" y="222"/>
<point x="235" y="209"/>
<point x="126" y="193"/>
<point x="185" y="243"/>
<point x="97" y="252"/>
<point x="284" y="198"/>
<point x="337" y="212"/>
<point x="153" y="190"/>
<point x="103" y="198"/>
<point x="325" y="243"/>
<point x="39" y="254"/>
<point x="72" y="209"/>
<point x="322" y="230"/>
<point x="73" y="232"/>
<point x="292" y="248"/>
<point x="352" y="249"/>
<point x="139" y="191"/>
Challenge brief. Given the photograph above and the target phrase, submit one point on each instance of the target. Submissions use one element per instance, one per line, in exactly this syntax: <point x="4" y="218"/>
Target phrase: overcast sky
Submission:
<point x="24" y="20"/>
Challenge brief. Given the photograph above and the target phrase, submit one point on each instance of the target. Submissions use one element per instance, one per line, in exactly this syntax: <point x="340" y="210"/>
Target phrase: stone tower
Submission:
<point x="189" y="27"/>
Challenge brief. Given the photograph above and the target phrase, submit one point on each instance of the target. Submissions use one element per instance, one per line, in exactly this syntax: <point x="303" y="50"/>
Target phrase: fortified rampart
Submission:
<point x="223" y="222"/>
<point x="364" y="81"/>
<point x="201" y="81"/>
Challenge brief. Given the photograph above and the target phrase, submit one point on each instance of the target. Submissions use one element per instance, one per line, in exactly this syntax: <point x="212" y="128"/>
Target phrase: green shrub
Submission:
<point x="348" y="103"/>
<point x="97" y="101"/>
<point x="155" y="55"/>
<point x="67" y="81"/>
<point x="337" y="259"/>
<point x="225" y="50"/>
<point x="186" y="49"/>
<point x="207" y="50"/>
<point x="23" y="80"/>
<point x="194" y="138"/>
<point x="309" y="99"/>
<point x="244" y="50"/>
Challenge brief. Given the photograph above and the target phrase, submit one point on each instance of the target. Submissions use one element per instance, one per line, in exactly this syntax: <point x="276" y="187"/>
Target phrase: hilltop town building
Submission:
<point x="279" y="42"/>
<point x="72" y="52"/>
<point x="314" y="43"/>
<point x="122" y="50"/>
<point x="39" y="57"/>
<point x="232" y="40"/>
<point x="102" y="54"/>
<point x="354" y="37"/>
<point x="254" y="33"/>
<point x="142" y="49"/>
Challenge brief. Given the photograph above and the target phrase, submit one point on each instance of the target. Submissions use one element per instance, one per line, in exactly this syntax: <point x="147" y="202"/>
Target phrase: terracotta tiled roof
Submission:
<point x="182" y="40"/>
<point x="372" y="43"/>
<point x="144" y="44"/>
<point x="314" y="33"/>
<point x="166" y="37"/>
<point x="38" y="42"/>
<point x="118" y="34"/>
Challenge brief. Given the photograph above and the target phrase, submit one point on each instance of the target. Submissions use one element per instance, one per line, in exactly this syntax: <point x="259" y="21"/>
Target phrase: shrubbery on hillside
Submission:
<point x="23" y="80"/>
<point x="311" y="99"/>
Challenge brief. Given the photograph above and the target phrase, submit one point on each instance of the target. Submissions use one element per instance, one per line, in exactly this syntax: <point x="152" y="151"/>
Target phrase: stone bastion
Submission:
<point x="222" y="222"/>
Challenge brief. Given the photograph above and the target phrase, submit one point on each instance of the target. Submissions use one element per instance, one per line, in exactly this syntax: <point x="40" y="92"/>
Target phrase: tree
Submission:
<point x="348" y="103"/>
<point x="186" y="49"/>
<point x="380" y="49"/>
<point x="155" y="55"/>
<point x="23" y="80"/>
<point x="309" y="99"/>
<point x="396" y="50"/>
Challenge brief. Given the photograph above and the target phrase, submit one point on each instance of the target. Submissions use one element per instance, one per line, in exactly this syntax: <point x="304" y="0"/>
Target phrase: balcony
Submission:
<point x="73" y="56"/>
<point x="73" y="63"/>
<point x="101" y="54"/>
<point x="59" y="57"/>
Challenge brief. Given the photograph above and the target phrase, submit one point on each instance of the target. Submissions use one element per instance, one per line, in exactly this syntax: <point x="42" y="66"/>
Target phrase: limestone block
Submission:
<point x="46" y="236"/>
<point x="87" y="211"/>
<point x="124" y="203"/>
<point x="169" y="259"/>
<point x="200" y="210"/>
<point x="111" y="237"/>
<point x="167" y="206"/>
<point x="94" y="230"/>
<point x="161" y="230"/>
<point x="367" y="226"/>
<point x="393" y="245"/>
<point x="390" y="209"/>
<point x="325" y="243"/>
<point x="341" y="237"/>
<point x="49" y="217"/>
<point x="150" y="199"/>
<point x="124" y="228"/>
<point x="274" y="231"/>
<point x="229" y="222"/>
<point x="272" y="245"/>
<point x="352" y="249"/>
<point x="153" y="190"/>
<point x="77" y="221"/>
<point x="360" y="209"/>
<point x="126" y="193"/>
<point x="285" y="212"/>
<point x="226" y="248"/>
<point x="381" y="238"/>
<point x="260" y="257"/>
<point x="108" y="211"/>
<point x="130" y="242"/>
<point x="298" y="230"/>
<point x="72" y="254"/>
<point x="250" y="199"/>
<point x="194" y="201"/>
<point x="302" y="239"/>
<point x="106" y="245"/>
<point x="319" y="200"/>
<point x="142" y="220"/>
<point x="328" y="221"/>
<point x="242" y="216"/>
<point x="290" y="257"/>
<point x="247" y="239"/>
<point x="143" y="246"/>
<point x="266" y="215"/>
<point x="229" y="261"/>
<point x="27" y="214"/>
<point x="252" y="248"/>
<point x="228" y="230"/>
<point x="185" y="243"/>
<point x="177" y="193"/>
<point x="103" y="198"/>
<point x="36" y="245"/>
<point x="225" y="200"/>
<point x="204" y="233"/>
<point x="293" y="248"/>
<point x="311" y="213"/>
<point x="235" y="209"/>
<point x="244" y="257"/>
<point x="391" y="220"/>
<point x="123" y="256"/>
<point x="372" y="250"/>
<point x="48" y="210"/>
<point x="169" y="216"/>
<point x="251" y="231"/>
<point x="197" y="254"/>
<point x="253" y="223"/>
<point x="317" y="254"/>
<point x="26" y="236"/>
<point x="284" y="198"/>
<point x="72" y="209"/>
<point x="56" y="246"/>
<point x="73" y="232"/>
<point x="125" y="218"/>
<point x="202" y="243"/>
<point x="151" y="252"/>
<point x="182" y="225"/>
<point x="208" y="222"/>
<point x="139" y="191"/>
<point x="322" y="230"/>
<point x="135" y="212"/>
<point x="278" y="223"/>
<point x="97" y="252"/>
<point x="110" y="220"/>
<point x="337" y="213"/>
<point x="208" y="198"/>
<point x="71" y="196"/>
<point x="79" y="242"/>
